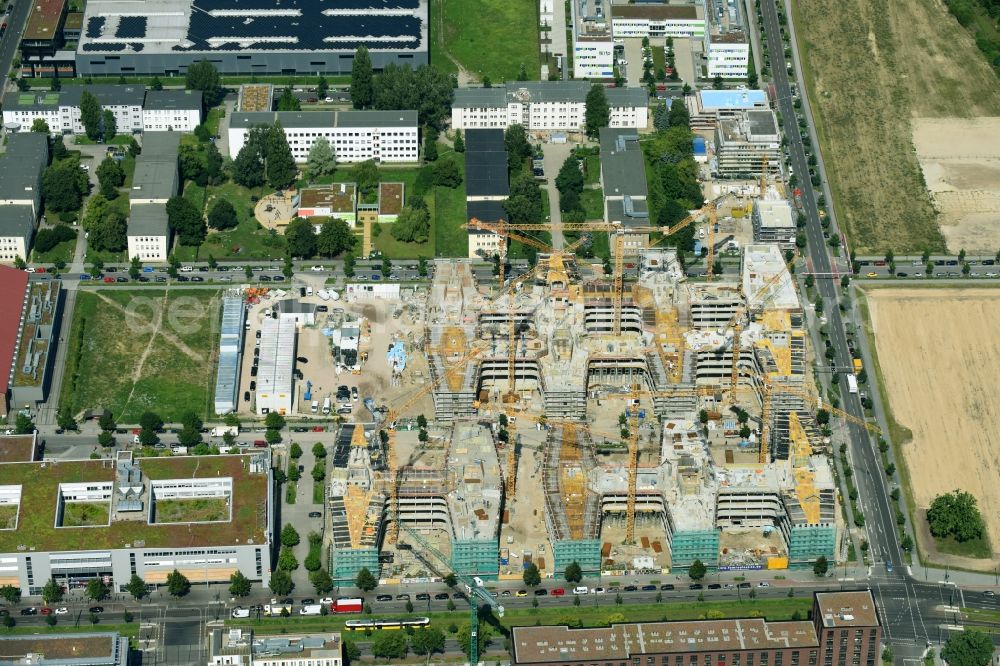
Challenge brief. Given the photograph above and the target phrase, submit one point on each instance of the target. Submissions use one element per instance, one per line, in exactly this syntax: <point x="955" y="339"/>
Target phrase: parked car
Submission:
<point x="441" y="596"/>
<point x="315" y="514"/>
<point x="541" y="592"/>
<point x="630" y="588"/>
<point x="96" y="610"/>
<point x="384" y="597"/>
<point x="423" y="596"/>
<point x="29" y="611"/>
<point x="666" y="587"/>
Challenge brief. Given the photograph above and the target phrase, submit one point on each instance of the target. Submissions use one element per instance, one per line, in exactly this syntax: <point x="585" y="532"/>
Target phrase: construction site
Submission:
<point x="625" y="425"/>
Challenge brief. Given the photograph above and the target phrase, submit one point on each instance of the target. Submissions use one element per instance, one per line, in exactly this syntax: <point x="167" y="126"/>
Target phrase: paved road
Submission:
<point x="15" y="26"/>
<point x="553" y="156"/>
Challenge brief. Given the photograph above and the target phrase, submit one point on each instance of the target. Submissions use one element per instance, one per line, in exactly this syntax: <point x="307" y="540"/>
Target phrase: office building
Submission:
<point x="171" y="110"/>
<point x="43" y="33"/>
<point x="845" y="629"/>
<point x="76" y="520"/>
<point x="156" y="179"/>
<point x="593" y="48"/>
<point x="748" y="144"/>
<point x="21" y="169"/>
<point x="239" y="647"/>
<point x="773" y="222"/>
<point x="310" y="37"/>
<point x="658" y="21"/>
<point x="355" y="136"/>
<point x="707" y="107"/>
<point x="70" y="649"/>
<point x="544" y="106"/>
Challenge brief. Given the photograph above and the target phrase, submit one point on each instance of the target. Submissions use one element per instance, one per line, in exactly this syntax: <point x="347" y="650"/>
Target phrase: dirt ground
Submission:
<point x="940" y="356"/>
<point x="871" y="69"/>
<point x="960" y="159"/>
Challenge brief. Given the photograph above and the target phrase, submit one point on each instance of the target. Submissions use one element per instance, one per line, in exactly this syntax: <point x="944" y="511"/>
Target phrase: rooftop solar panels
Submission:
<point x="131" y="27"/>
<point x="94" y="26"/>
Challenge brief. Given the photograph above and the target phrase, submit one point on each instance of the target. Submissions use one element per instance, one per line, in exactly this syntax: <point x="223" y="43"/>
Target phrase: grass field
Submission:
<point x="63" y="251"/>
<point x="870" y="67"/>
<point x="247" y="240"/>
<point x="593" y="204"/>
<point x="8" y="516"/>
<point x="206" y="510"/>
<point x="487" y="37"/>
<point x="85" y="514"/>
<point x="136" y="350"/>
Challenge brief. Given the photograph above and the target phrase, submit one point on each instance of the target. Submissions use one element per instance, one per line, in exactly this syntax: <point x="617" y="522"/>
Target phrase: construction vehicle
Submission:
<point x="474" y="590"/>
<point x="858" y="366"/>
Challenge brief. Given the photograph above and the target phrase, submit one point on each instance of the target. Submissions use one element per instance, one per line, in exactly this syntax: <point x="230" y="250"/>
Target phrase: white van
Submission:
<point x="309" y="291"/>
<point x="581" y="589"/>
<point x="314" y="407"/>
<point x="274" y="610"/>
<point x="311" y="609"/>
<point x="239" y="612"/>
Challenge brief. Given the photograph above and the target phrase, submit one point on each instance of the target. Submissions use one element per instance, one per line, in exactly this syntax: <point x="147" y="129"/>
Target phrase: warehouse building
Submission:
<point x="275" y="390"/>
<point x="156" y="179"/>
<point x="136" y="517"/>
<point x="748" y="144"/>
<point x="658" y="21"/>
<point x="312" y="37"/>
<point x="21" y="170"/>
<point x="845" y="628"/>
<point x="227" y="378"/>
<point x="544" y="106"/>
<point x="83" y="649"/>
<point x="356" y="136"/>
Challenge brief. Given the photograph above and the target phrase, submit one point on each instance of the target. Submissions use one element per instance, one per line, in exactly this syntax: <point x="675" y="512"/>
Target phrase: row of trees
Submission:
<point x="427" y="90"/>
<point x="265" y="158"/>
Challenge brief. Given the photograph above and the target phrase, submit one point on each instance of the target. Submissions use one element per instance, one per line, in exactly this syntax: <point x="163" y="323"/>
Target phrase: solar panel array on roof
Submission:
<point x="113" y="46"/>
<point x="95" y="26"/>
<point x="131" y="27"/>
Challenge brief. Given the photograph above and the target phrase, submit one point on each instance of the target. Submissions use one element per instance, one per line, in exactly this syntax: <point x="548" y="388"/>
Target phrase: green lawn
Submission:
<point x="319" y="495"/>
<point x="592" y="169"/>
<point x="84" y="514"/>
<point x="64" y="251"/>
<point x="215" y="115"/>
<point x="593" y="204"/>
<point x="128" y="365"/>
<point x="490" y="37"/>
<point x="450" y="239"/>
<point x="439" y="57"/>
<point x="659" y="59"/>
<point x="247" y="240"/>
<point x="8" y="516"/>
<point x="978" y="548"/>
<point x="210" y="509"/>
<point x="171" y="81"/>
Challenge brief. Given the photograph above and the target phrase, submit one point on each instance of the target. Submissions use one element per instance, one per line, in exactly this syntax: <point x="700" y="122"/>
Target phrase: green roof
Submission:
<point x="40" y="481"/>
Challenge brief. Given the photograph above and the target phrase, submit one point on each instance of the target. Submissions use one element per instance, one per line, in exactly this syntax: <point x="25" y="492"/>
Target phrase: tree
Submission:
<point x="389" y="645"/>
<point x="287" y="560"/>
<point x="186" y="221"/>
<point x="137" y="587"/>
<point x="134" y="267"/>
<point x="274" y="420"/>
<point x="820" y="566"/>
<point x="464" y="638"/>
<point x="239" y="585"/>
<point x="290" y="535"/>
<point x="427" y="640"/>
<point x="451" y="580"/>
<point x="573" y="573"/>
<point x="90" y="115"/>
<point x="10" y="593"/>
<point x="96" y="267"/>
<point x="366" y="175"/>
<point x="204" y="76"/>
<point x="459" y="143"/>
<point x="426" y="89"/>
<point x="412" y="226"/>
<point x="318" y="472"/>
<point x="524" y="205"/>
<point x="65" y="420"/>
<point x="23" y="425"/>
<point x="447" y="173"/>
<point x="52" y="592"/>
<point x="213" y="165"/>
<point x="322" y="87"/>
<point x="288" y="101"/>
<point x="248" y="167"/>
<point x="40" y="126"/>
<point x="956" y="515"/>
<point x="430" y="144"/>
<point x="177" y="584"/>
<point x="598" y="113"/>
<point x="570" y="178"/>
<point x="322" y="159"/>
<point x="223" y="215"/>
<point x="279" y="165"/>
<point x="697" y="570"/>
<point x="281" y="583"/>
<point x="365" y="581"/>
<point x="362" y="84"/>
<point x="63" y="185"/>
<point x="109" y="126"/>
<point x="968" y="648"/>
<point x="300" y="238"/>
<point x="386" y="267"/>
<point x="96" y="589"/>
<point x="321" y="581"/>
<point x="47" y="239"/>
<point x="111" y="176"/>
<point x="531" y="576"/>
<point x="319" y="450"/>
<point x="109" y="233"/>
<point x="334" y="237"/>
<point x="518" y="149"/>
<point x="349" y="262"/>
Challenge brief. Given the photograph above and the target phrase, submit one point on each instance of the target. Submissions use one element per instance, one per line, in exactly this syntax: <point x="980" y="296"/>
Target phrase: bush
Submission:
<point x="47" y="239"/>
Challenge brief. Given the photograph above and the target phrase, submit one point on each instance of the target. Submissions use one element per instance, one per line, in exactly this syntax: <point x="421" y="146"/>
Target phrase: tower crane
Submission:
<point x="474" y="590"/>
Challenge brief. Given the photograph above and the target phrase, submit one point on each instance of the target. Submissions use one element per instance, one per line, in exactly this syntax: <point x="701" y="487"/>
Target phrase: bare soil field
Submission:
<point x="872" y="69"/>
<point x="960" y="158"/>
<point x="940" y="355"/>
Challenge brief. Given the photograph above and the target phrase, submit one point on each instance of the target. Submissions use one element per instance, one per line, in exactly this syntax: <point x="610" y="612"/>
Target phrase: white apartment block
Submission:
<point x="172" y="111"/>
<point x="21" y="170"/>
<point x="356" y="136"/>
<point x="156" y="179"/>
<point x="544" y="106"/>
<point x="658" y="21"/>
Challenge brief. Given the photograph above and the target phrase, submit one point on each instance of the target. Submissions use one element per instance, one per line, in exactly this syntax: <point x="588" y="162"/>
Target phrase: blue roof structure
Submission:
<point x="732" y="99"/>
<point x="699" y="146"/>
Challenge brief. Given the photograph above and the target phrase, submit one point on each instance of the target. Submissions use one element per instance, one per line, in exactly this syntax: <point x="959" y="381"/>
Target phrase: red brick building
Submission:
<point x="844" y="631"/>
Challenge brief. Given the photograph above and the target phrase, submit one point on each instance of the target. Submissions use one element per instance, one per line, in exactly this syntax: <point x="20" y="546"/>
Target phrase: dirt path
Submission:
<point x="166" y="335"/>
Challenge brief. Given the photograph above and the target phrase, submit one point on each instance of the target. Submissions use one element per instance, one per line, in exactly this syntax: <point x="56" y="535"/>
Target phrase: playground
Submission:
<point x="275" y="211"/>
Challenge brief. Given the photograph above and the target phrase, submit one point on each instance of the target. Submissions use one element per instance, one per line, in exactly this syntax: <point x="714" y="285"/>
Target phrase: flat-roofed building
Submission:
<point x="773" y="222"/>
<point x="77" y="520"/>
<point x="355" y="136"/>
<point x="83" y="649"/>
<point x="544" y="106"/>
<point x="727" y="46"/>
<point x="43" y="34"/>
<point x="227" y="378"/>
<point x="748" y="144"/>
<point x="593" y="48"/>
<point x="21" y="169"/>
<point x="486" y="187"/>
<point x="845" y="629"/>
<point x="40" y="319"/>
<point x="61" y="110"/>
<point x="658" y="21"/>
<point x="275" y="383"/>
<point x="171" y="110"/>
<point x="338" y="201"/>
<point x="156" y="179"/>
<point x="623" y="179"/>
<point x="707" y="107"/>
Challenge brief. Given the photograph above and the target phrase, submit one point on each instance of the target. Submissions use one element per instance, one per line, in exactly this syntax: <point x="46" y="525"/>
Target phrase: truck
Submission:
<point x="274" y="610"/>
<point x="858" y="365"/>
<point x="347" y="606"/>
<point x="852" y="384"/>
<point x="222" y="430"/>
<point x="326" y="405"/>
<point x="311" y="609"/>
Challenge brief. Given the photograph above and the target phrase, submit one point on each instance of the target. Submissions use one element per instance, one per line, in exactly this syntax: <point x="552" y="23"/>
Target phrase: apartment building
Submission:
<point x="845" y="629"/>
<point x="156" y="179"/>
<point x="593" y="48"/>
<point x="748" y="144"/>
<point x="773" y="222"/>
<point x="356" y="136"/>
<point x="544" y="106"/>
<point x="727" y="46"/>
<point x="486" y="187"/>
<point x="172" y="111"/>
<point x="658" y="21"/>
<point x="623" y="179"/>
<point x="21" y="170"/>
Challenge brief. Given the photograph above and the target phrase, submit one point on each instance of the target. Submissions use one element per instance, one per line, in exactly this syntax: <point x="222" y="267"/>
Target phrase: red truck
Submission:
<point x="347" y="606"/>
